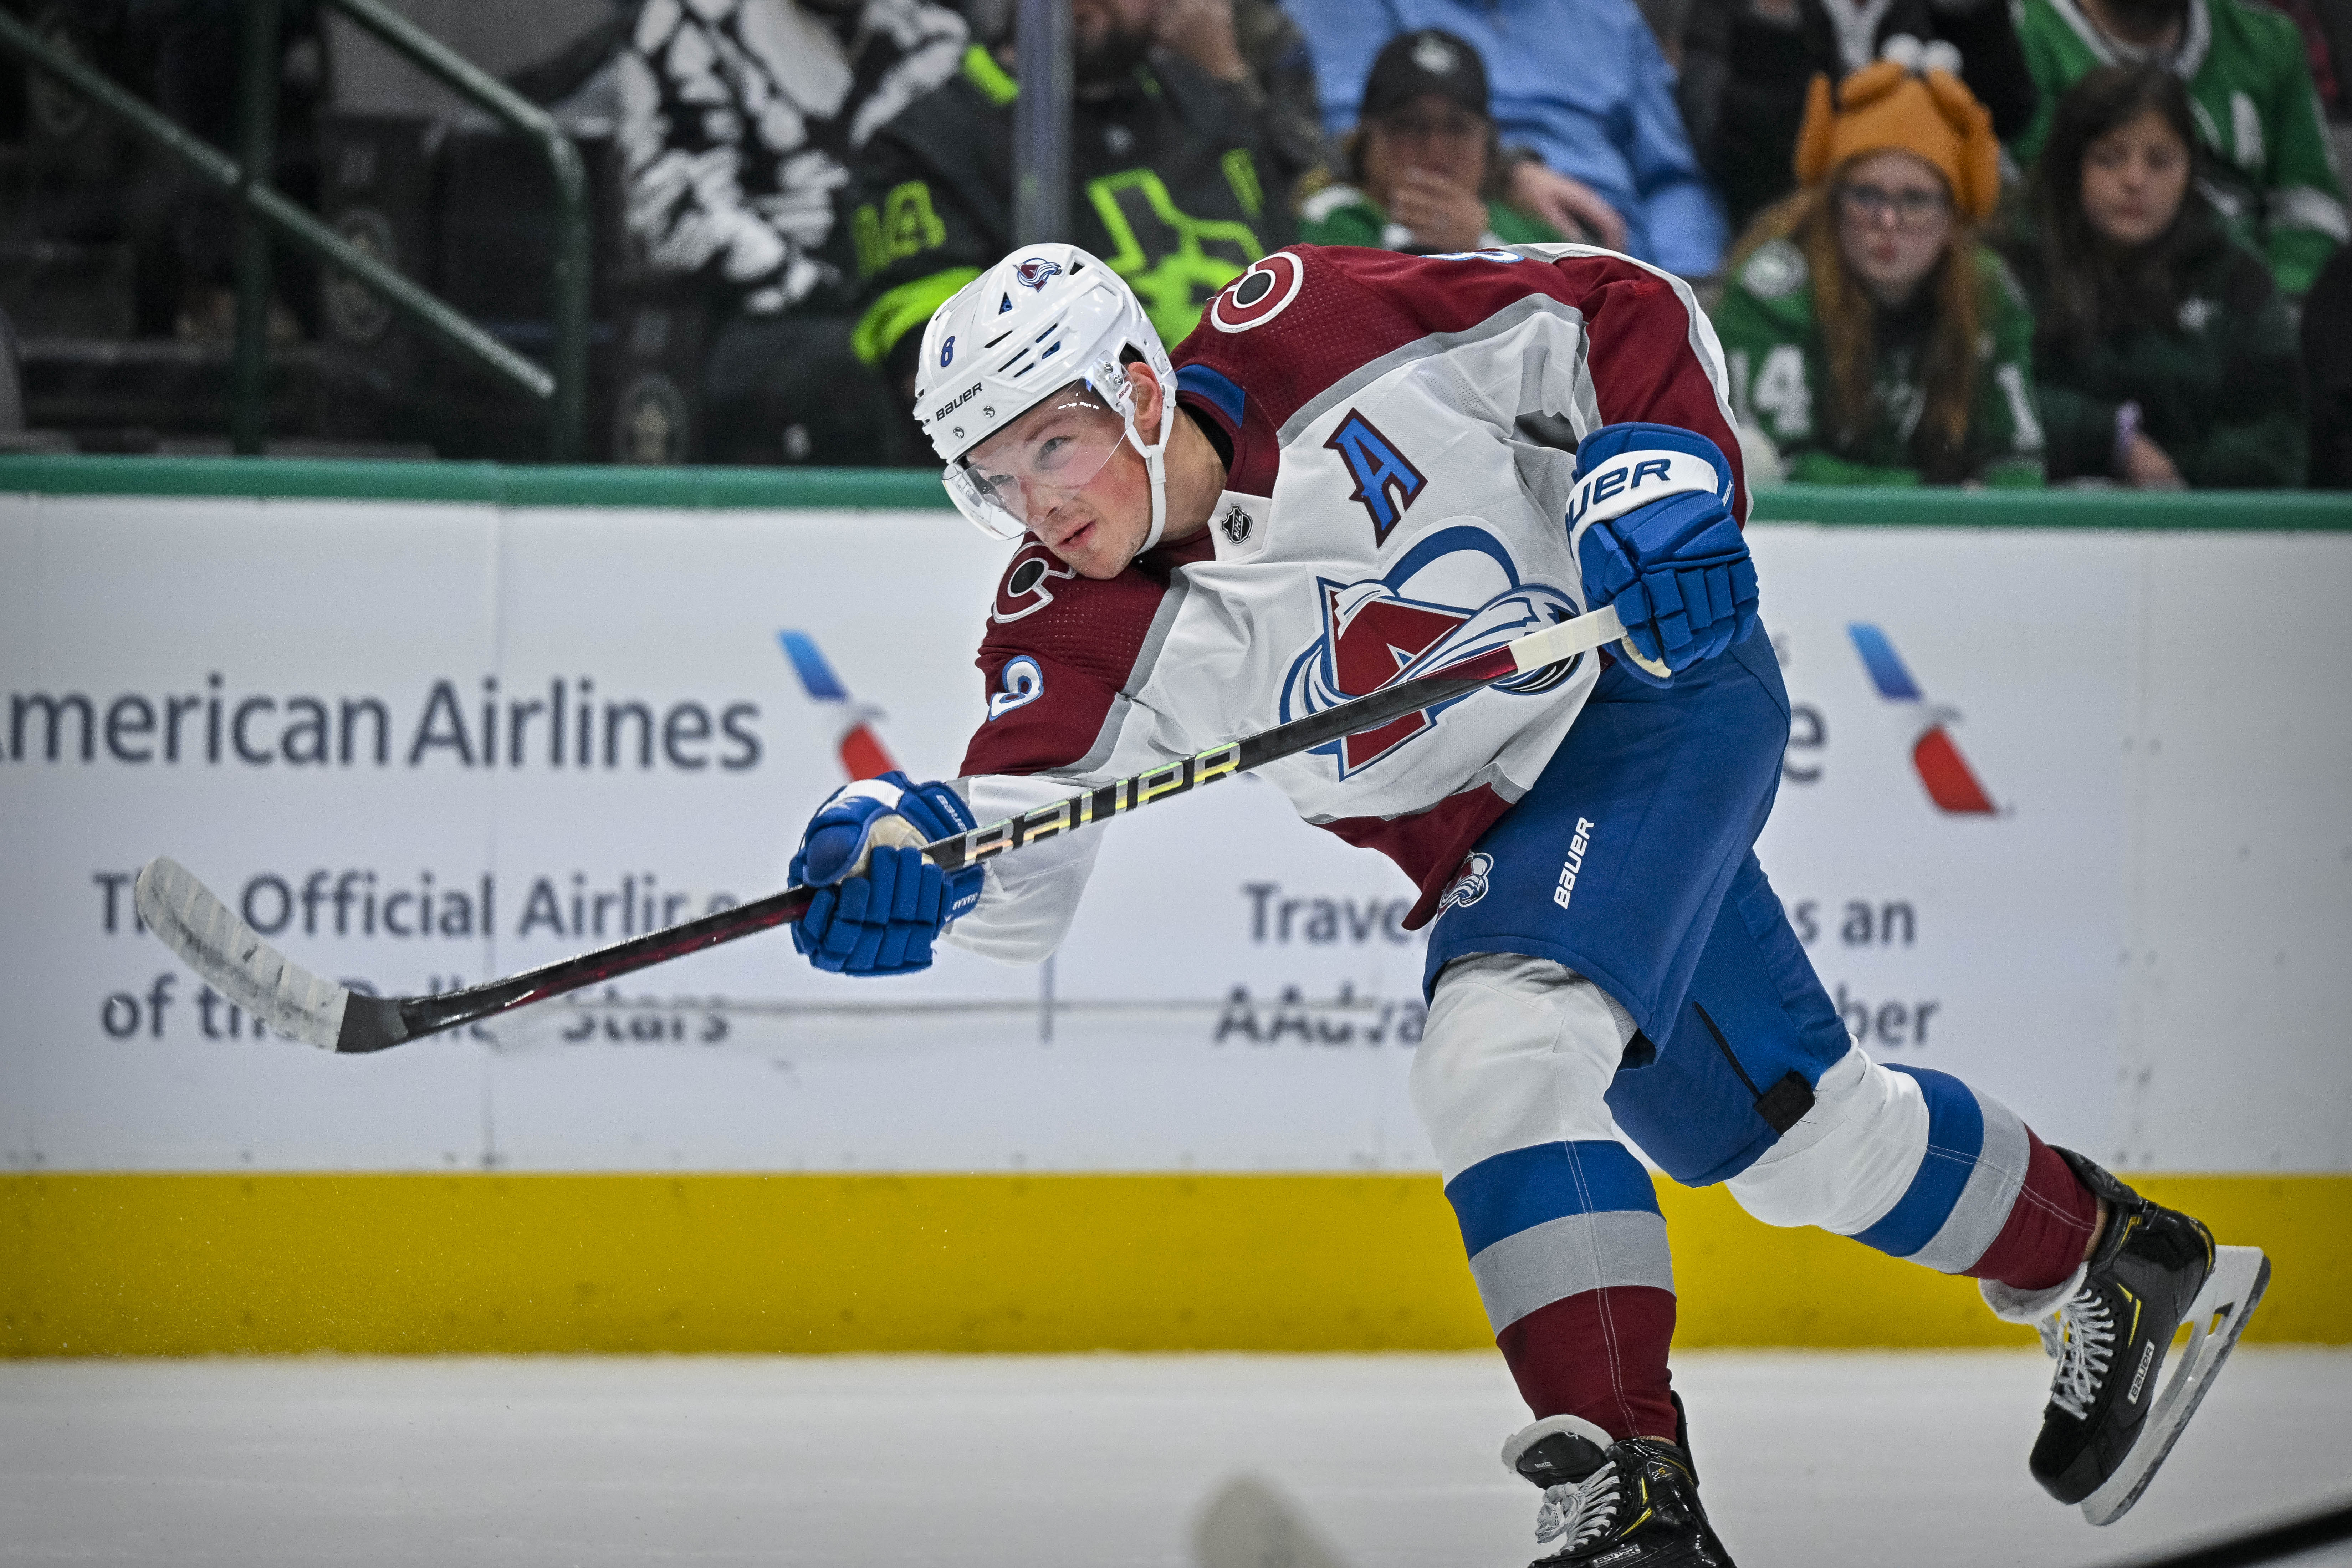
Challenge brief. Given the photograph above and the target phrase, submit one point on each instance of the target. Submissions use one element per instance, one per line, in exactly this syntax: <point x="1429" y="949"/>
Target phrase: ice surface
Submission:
<point x="1809" y="1459"/>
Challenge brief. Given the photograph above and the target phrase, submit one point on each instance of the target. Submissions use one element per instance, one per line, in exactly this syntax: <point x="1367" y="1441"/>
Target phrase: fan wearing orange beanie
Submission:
<point x="1872" y="339"/>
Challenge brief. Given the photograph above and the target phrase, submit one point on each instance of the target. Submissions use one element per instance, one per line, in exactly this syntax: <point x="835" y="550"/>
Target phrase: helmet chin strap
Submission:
<point x="1155" y="467"/>
<point x="1155" y="462"/>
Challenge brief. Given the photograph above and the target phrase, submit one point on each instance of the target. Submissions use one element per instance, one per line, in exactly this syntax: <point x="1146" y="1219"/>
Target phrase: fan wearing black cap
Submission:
<point x="1425" y="170"/>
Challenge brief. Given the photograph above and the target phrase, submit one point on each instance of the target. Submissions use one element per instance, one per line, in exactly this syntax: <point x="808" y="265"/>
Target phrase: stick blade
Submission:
<point x="1248" y="1524"/>
<point x="233" y="959"/>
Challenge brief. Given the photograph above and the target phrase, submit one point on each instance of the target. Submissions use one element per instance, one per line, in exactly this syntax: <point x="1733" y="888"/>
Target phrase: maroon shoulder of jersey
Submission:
<point x="1082" y="640"/>
<point x="1303" y="320"/>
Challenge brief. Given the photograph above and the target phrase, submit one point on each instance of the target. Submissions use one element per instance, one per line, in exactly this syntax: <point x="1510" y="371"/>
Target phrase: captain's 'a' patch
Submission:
<point x="1386" y="482"/>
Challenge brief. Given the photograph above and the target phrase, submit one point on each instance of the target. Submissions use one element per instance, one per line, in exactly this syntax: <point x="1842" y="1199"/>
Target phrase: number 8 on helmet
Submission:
<point x="1047" y="320"/>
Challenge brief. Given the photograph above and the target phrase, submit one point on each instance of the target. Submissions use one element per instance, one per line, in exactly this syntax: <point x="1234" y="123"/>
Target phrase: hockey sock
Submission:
<point x="1569" y="1252"/>
<point x="2048" y="1226"/>
<point x="1600" y="1354"/>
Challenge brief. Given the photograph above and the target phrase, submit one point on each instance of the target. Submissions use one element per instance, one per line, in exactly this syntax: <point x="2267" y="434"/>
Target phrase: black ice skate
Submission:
<point x="2112" y="1415"/>
<point x="1632" y="1504"/>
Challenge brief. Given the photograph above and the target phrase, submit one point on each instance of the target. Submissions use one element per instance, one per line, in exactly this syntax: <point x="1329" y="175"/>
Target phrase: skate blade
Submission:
<point x="2216" y="1317"/>
<point x="1248" y="1524"/>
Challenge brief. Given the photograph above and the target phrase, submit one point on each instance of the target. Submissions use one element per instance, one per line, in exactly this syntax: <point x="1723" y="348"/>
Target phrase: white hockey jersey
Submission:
<point x="1389" y="506"/>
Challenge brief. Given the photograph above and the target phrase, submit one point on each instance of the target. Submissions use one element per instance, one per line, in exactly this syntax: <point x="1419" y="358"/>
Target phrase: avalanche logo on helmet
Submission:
<point x="1380" y="630"/>
<point x="1035" y="271"/>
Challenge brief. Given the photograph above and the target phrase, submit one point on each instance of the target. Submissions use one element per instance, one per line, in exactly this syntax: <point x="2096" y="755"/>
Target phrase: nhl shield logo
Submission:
<point x="1236" y="525"/>
<point x="1035" y="271"/>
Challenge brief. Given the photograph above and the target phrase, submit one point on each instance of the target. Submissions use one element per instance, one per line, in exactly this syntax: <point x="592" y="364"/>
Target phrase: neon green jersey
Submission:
<point x="1164" y="179"/>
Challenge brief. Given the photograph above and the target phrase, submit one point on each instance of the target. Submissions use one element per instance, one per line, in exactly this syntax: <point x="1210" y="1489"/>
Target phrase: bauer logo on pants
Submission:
<point x="1565" y="890"/>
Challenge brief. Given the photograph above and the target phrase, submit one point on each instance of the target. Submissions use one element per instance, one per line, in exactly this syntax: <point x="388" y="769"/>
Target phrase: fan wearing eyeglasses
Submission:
<point x="1425" y="170"/>
<point x="1871" y="338"/>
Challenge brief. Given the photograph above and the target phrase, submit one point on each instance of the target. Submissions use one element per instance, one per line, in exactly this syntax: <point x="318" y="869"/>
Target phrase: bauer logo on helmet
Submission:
<point x="1084" y="327"/>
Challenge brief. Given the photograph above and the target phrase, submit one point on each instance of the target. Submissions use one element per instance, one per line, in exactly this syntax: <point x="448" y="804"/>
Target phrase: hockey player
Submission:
<point x="1329" y="487"/>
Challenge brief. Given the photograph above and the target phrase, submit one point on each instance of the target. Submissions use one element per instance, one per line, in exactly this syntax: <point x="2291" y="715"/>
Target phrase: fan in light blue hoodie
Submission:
<point x="1581" y="82"/>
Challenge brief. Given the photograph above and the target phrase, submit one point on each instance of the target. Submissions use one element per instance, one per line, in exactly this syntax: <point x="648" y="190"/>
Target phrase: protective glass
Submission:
<point x="1020" y="475"/>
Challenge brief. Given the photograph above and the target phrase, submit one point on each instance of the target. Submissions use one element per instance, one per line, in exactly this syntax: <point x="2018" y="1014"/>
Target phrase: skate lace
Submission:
<point x="2082" y="1335"/>
<point x="1579" y="1510"/>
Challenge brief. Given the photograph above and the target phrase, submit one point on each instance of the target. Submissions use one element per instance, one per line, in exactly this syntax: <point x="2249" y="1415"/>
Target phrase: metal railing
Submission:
<point x="562" y="388"/>
<point x="1040" y="122"/>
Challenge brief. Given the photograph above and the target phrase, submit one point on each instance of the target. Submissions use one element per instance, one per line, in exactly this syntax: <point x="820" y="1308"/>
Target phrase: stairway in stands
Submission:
<point x="117" y="355"/>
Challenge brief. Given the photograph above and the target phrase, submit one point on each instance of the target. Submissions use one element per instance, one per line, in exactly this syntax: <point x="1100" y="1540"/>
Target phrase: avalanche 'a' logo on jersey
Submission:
<point x="1386" y="482"/>
<point x="1452" y="595"/>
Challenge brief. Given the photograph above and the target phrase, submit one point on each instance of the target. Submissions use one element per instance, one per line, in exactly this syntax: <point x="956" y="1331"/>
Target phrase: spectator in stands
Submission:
<point x="184" y="56"/>
<point x="1168" y="175"/>
<point x="1668" y="20"/>
<point x="2271" y="173"/>
<point x="1426" y="165"/>
<point x="2326" y="29"/>
<point x="738" y="120"/>
<point x="1868" y="333"/>
<point x="1270" y="70"/>
<point x="1745" y="65"/>
<point x="1583" y="93"/>
<point x="2163" y="353"/>
<point x="2327" y="362"/>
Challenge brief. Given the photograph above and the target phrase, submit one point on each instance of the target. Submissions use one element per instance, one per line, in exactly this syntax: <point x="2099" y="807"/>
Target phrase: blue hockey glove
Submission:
<point x="882" y="920"/>
<point x="1654" y="535"/>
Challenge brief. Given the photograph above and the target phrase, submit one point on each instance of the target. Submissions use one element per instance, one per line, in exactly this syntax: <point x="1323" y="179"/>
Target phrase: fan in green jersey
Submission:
<point x="1870" y="337"/>
<point x="2165" y="354"/>
<point x="1426" y="169"/>
<point x="2273" y="173"/>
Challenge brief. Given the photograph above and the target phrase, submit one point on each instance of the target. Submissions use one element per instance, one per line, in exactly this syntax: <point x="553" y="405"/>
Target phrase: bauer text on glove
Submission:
<point x="1654" y="535"/>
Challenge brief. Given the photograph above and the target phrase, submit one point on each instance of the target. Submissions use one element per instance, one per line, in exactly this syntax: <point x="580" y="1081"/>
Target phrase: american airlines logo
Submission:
<point x="863" y="754"/>
<point x="1951" y="784"/>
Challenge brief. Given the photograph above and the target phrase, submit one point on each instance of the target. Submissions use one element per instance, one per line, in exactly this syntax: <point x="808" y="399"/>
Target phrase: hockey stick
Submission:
<point x="230" y="955"/>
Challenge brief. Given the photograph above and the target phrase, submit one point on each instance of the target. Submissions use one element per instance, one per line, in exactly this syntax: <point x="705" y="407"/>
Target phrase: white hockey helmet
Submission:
<point x="1043" y="317"/>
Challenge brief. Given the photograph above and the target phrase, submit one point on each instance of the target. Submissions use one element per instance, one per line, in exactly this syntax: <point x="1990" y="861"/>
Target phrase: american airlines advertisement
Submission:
<point x="421" y="746"/>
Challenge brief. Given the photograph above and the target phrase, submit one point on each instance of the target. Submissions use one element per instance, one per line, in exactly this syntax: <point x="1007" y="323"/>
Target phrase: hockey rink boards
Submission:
<point x="414" y="744"/>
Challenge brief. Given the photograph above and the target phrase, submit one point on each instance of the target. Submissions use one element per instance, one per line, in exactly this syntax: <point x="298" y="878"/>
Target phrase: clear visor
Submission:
<point x="1018" y="477"/>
